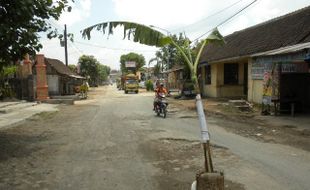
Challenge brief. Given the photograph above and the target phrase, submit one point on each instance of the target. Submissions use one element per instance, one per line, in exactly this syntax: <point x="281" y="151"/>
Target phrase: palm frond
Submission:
<point x="141" y="33"/>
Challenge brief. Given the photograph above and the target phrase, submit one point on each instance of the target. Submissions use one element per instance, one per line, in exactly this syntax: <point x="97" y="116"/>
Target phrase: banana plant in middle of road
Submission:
<point x="149" y="36"/>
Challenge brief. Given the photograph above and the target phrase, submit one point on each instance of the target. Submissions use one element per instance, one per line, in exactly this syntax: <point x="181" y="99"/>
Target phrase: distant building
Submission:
<point x="114" y="74"/>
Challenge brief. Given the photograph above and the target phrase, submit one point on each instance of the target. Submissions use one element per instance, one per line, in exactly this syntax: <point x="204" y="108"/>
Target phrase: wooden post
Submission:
<point x="42" y="88"/>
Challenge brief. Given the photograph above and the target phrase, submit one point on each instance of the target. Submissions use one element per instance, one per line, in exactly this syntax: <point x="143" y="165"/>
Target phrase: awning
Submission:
<point x="77" y="76"/>
<point x="174" y="69"/>
<point x="284" y="50"/>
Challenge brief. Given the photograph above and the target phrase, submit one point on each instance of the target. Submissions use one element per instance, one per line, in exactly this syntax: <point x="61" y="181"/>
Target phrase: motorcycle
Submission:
<point x="161" y="106"/>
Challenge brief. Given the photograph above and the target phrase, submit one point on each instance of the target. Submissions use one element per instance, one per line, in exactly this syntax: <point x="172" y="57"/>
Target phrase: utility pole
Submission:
<point x="66" y="50"/>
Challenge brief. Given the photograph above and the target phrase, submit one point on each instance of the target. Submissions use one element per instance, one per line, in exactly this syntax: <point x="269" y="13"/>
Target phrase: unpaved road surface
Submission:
<point x="114" y="141"/>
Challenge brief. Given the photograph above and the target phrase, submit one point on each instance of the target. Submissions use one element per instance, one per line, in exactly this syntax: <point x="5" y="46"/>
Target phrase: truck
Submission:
<point x="131" y="83"/>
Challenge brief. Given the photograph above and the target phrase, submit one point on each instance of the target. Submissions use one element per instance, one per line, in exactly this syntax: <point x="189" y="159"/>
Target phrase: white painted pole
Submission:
<point x="202" y="120"/>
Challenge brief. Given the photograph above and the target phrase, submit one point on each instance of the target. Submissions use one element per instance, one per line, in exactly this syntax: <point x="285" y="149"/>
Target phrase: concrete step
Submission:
<point x="16" y="106"/>
<point x="242" y="105"/>
<point x="74" y="97"/>
<point x="59" y="101"/>
<point x="5" y="104"/>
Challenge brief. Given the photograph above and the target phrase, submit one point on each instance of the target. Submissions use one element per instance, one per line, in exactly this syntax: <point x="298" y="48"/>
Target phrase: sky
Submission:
<point x="192" y="17"/>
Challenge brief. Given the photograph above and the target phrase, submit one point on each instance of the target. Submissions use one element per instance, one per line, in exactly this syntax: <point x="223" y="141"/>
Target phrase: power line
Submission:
<point x="74" y="46"/>
<point x="221" y="23"/>
<point x="214" y="14"/>
<point x="116" y="49"/>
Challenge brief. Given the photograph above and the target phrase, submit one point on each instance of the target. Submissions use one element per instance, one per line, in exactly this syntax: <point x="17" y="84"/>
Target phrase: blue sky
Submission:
<point x="189" y="16"/>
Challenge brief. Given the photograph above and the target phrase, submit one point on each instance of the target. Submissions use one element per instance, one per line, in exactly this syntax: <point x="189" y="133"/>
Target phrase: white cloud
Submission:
<point x="80" y="11"/>
<point x="169" y="14"/>
<point x="261" y="11"/>
<point x="181" y="13"/>
<point x="162" y="13"/>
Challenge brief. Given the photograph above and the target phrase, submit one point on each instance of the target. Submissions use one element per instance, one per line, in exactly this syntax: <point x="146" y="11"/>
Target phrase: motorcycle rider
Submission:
<point x="160" y="89"/>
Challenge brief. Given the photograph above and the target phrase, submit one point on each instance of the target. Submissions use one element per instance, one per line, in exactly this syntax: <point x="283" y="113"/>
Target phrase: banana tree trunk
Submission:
<point x="205" y="138"/>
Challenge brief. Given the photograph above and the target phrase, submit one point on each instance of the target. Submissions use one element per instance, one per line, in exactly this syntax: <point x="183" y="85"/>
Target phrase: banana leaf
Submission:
<point x="138" y="32"/>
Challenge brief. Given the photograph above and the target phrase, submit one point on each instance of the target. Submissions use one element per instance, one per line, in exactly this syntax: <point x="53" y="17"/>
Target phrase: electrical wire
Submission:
<point x="206" y="18"/>
<point x="75" y="47"/>
<point x="116" y="49"/>
<point x="223" y="22"/>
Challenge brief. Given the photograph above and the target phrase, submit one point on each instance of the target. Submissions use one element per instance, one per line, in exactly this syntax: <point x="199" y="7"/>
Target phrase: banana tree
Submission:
<point x="147" y="35"/>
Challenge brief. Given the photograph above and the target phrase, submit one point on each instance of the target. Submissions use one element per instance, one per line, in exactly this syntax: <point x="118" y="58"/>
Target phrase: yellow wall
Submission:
<point x="217" y="87"/>
<point x="210" y="90"/>
<point x="255" y="92"/>
<point x="230" y="90"/>
<point x="255" y="87"/>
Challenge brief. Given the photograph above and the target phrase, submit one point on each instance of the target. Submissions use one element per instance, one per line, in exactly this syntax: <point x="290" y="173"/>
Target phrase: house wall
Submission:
<point x="171" y="80"/>
<point x="211" y="90"/>
<point x="53" y="84"/>
<point x="255" y="87"/>
<point x="289" y="63"/>
<point x="217" y="88"/>
<point x="175" y="79"/>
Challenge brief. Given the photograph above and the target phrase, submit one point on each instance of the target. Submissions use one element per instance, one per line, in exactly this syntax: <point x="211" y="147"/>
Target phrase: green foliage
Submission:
<point x="103" y="72"/>
<point x="157" y="69"/>
<point x="21" y="21"/>
<point x="5" y="73"/>
<point x="73" y="68"/>
<point x="169" y="56"/>
<point x="138" y="32"/>
<point x="137" y="58"/>
<point x="90" y="67"/>
<point x="149" y="85"/>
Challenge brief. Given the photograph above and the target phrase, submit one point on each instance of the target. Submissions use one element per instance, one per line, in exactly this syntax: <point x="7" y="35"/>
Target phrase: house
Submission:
<point x="60" y="79"/>
<point x="114" y="75"/>
<point x="175" y="77"/>
<point x="264" y="62"/>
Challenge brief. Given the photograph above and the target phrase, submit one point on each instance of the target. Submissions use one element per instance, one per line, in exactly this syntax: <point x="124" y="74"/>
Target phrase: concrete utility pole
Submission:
<point x="66" y="49"/>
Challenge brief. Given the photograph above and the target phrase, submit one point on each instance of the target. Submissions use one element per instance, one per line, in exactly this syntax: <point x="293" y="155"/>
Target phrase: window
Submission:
<point x="208" y="74"/>
<point x="231" y="73"/>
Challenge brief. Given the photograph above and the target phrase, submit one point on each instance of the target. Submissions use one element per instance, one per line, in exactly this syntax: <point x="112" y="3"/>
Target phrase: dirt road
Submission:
<point x="114" y="141"/>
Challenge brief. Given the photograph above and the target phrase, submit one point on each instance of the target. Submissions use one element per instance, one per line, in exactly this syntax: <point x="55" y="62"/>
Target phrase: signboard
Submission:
<point x="129" y="64"/>
<point x="289" y="64"/>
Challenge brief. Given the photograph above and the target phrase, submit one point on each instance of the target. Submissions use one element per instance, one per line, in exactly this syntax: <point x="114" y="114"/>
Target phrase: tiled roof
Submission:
<point x="287" y="30"/>
<point x="60" y="67"/>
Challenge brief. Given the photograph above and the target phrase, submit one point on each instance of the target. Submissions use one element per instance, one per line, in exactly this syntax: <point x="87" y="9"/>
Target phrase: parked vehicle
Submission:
<point x="188" y="89"/>
<point x="142" y="84"/>
<point x="161" y="106"/>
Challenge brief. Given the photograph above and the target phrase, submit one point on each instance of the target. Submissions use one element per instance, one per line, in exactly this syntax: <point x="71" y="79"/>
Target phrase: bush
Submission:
<point x="149" y="85"/>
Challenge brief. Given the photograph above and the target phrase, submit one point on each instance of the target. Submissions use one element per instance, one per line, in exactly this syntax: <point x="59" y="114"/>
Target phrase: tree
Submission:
<point x="89" y="68"/>
<point x="137" y="58"/>
<point x="5" y="73"/>
<point x="21" y="21"/>
<point x="149" y="36"/>
<point x="103" y="72"/>
<point x="170" y="56"/>
<point x="157" y="69"/>
<point x="73" y="68"/>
